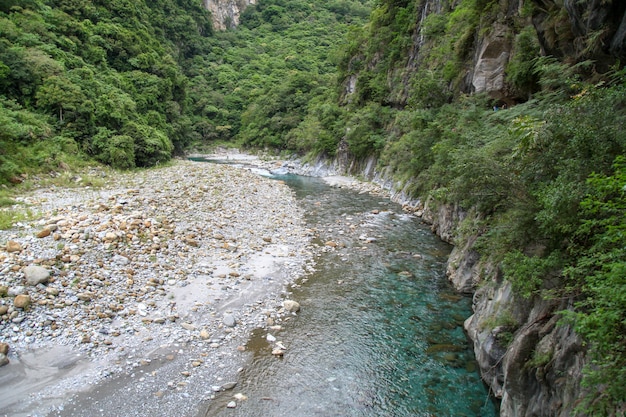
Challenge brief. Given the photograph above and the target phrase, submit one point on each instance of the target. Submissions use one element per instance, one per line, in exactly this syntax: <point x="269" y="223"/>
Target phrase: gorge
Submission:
<point x="499" y="122"/>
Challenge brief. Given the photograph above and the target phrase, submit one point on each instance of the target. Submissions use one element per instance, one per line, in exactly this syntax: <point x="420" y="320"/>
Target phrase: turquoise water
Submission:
<point x="380" y="332"/>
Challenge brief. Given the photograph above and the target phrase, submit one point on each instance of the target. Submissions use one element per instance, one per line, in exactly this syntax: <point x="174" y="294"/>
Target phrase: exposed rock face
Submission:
<point x="575" y="29"/>
<point x="530" y="362"/>
<point x="226" y="13"/>
<point x="490" y="61"/>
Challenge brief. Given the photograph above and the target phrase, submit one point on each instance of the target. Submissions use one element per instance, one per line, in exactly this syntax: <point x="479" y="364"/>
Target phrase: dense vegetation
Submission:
<point x="129" y="83"/>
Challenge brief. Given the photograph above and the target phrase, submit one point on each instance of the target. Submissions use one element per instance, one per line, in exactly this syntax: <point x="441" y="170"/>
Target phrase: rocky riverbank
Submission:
<point x="154" y="281"/>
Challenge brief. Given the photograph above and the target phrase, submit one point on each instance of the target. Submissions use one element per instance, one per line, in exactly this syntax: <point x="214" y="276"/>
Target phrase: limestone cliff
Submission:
<point x="226" y="13"/>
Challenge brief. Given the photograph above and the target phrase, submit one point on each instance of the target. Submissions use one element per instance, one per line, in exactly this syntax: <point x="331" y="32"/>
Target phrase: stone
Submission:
<point x="231" y="404"/>
<point x="4" y="348"/>
<point x="45" y="232"/>
<point x="3" y="310"/>
<point x="35" y="275"/>
<point x="188" y="326"/>
<point x="291" y="306"/>
<point x="278" y="352"/>
<point x="21" y="301"/>
<point x="3" y="359"/>
<point x="13" y="246"/>
<point x="85" y="296"/>
<point x="229" y="320"/>
<point x="229" y="385"/>
<point x="4" y="290"/>
<point x="204" y="334"/>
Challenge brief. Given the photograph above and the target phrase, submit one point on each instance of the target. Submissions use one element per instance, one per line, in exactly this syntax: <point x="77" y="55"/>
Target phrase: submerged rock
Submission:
<point x="291" y="306"/>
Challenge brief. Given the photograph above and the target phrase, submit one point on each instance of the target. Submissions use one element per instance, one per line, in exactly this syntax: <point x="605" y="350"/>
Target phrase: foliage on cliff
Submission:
<point x="541" y="162"/>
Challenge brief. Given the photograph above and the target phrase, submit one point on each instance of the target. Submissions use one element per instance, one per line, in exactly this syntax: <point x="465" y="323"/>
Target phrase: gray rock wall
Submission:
<point x="226" y="13"/>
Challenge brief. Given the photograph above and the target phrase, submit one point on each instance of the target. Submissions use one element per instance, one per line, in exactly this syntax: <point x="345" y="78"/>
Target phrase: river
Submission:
<point x="380" y="330"/>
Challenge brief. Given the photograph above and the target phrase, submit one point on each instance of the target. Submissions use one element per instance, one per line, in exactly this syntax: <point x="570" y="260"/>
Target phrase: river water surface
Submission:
<point x="380" y="331"/>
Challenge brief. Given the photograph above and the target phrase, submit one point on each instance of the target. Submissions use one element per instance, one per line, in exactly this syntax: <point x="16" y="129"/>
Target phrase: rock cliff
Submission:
<point x="226" y="13"/>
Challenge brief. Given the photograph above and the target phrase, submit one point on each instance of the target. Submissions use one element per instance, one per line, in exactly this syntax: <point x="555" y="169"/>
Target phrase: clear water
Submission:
<point x="380" y="332"/>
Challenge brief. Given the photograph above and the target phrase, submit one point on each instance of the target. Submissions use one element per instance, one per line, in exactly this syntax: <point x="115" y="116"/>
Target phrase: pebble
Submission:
<point x="229" y="320"/>
<point x="120" y="253"/>
<point x="21" y="301"/>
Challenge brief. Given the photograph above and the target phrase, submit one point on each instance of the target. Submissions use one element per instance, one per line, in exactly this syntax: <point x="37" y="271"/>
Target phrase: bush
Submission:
<point x="115" y="150"/>
<point x="151" y="146"/>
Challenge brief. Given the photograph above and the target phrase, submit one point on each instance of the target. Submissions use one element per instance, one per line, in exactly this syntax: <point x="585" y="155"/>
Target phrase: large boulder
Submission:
<point x="35" y="275"/>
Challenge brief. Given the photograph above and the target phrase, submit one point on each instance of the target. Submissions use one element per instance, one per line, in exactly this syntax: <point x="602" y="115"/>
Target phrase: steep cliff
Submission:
<point x="226" y="13"/>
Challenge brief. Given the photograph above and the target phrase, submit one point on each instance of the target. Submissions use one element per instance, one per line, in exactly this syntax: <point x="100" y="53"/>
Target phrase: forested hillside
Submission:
<point x="130" y="83"/>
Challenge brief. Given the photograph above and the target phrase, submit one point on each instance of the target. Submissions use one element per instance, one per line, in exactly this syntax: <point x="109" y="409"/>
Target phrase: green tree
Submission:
<point x="600" y="265"/>
<point x="60" y="94"/>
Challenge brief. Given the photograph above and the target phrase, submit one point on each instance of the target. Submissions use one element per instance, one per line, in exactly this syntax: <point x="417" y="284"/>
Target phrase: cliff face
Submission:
<point x="570" y="30"/>
<point x="533" y="364"/>
<point x="226" y="13"/>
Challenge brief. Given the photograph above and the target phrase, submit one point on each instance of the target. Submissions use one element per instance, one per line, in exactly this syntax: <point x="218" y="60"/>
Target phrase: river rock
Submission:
<point x="4" y="348"/>
<point x="229" y="320"/>
<point x="13" y="246"/>
<point x="3" y="310"/>
<point x="21" y="301"/>
<point x="231" y="404"/>
<point x="229" y="385"/>
<point x="291" y="306"/>
<point x="4" y="290"/>
<point x="45" y="232"/>
<point x="35" y="275"/>
<point x="3" y="359"/>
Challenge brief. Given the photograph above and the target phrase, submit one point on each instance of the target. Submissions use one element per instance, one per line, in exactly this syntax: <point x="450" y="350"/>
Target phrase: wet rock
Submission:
<point x="21" y="301"/>
<point x="35" y="275"/>
<point x="3" y="359"/>
<point x="229" y="385"/>
<point x="278" y="352"/>
<point x="291" y="306"/>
